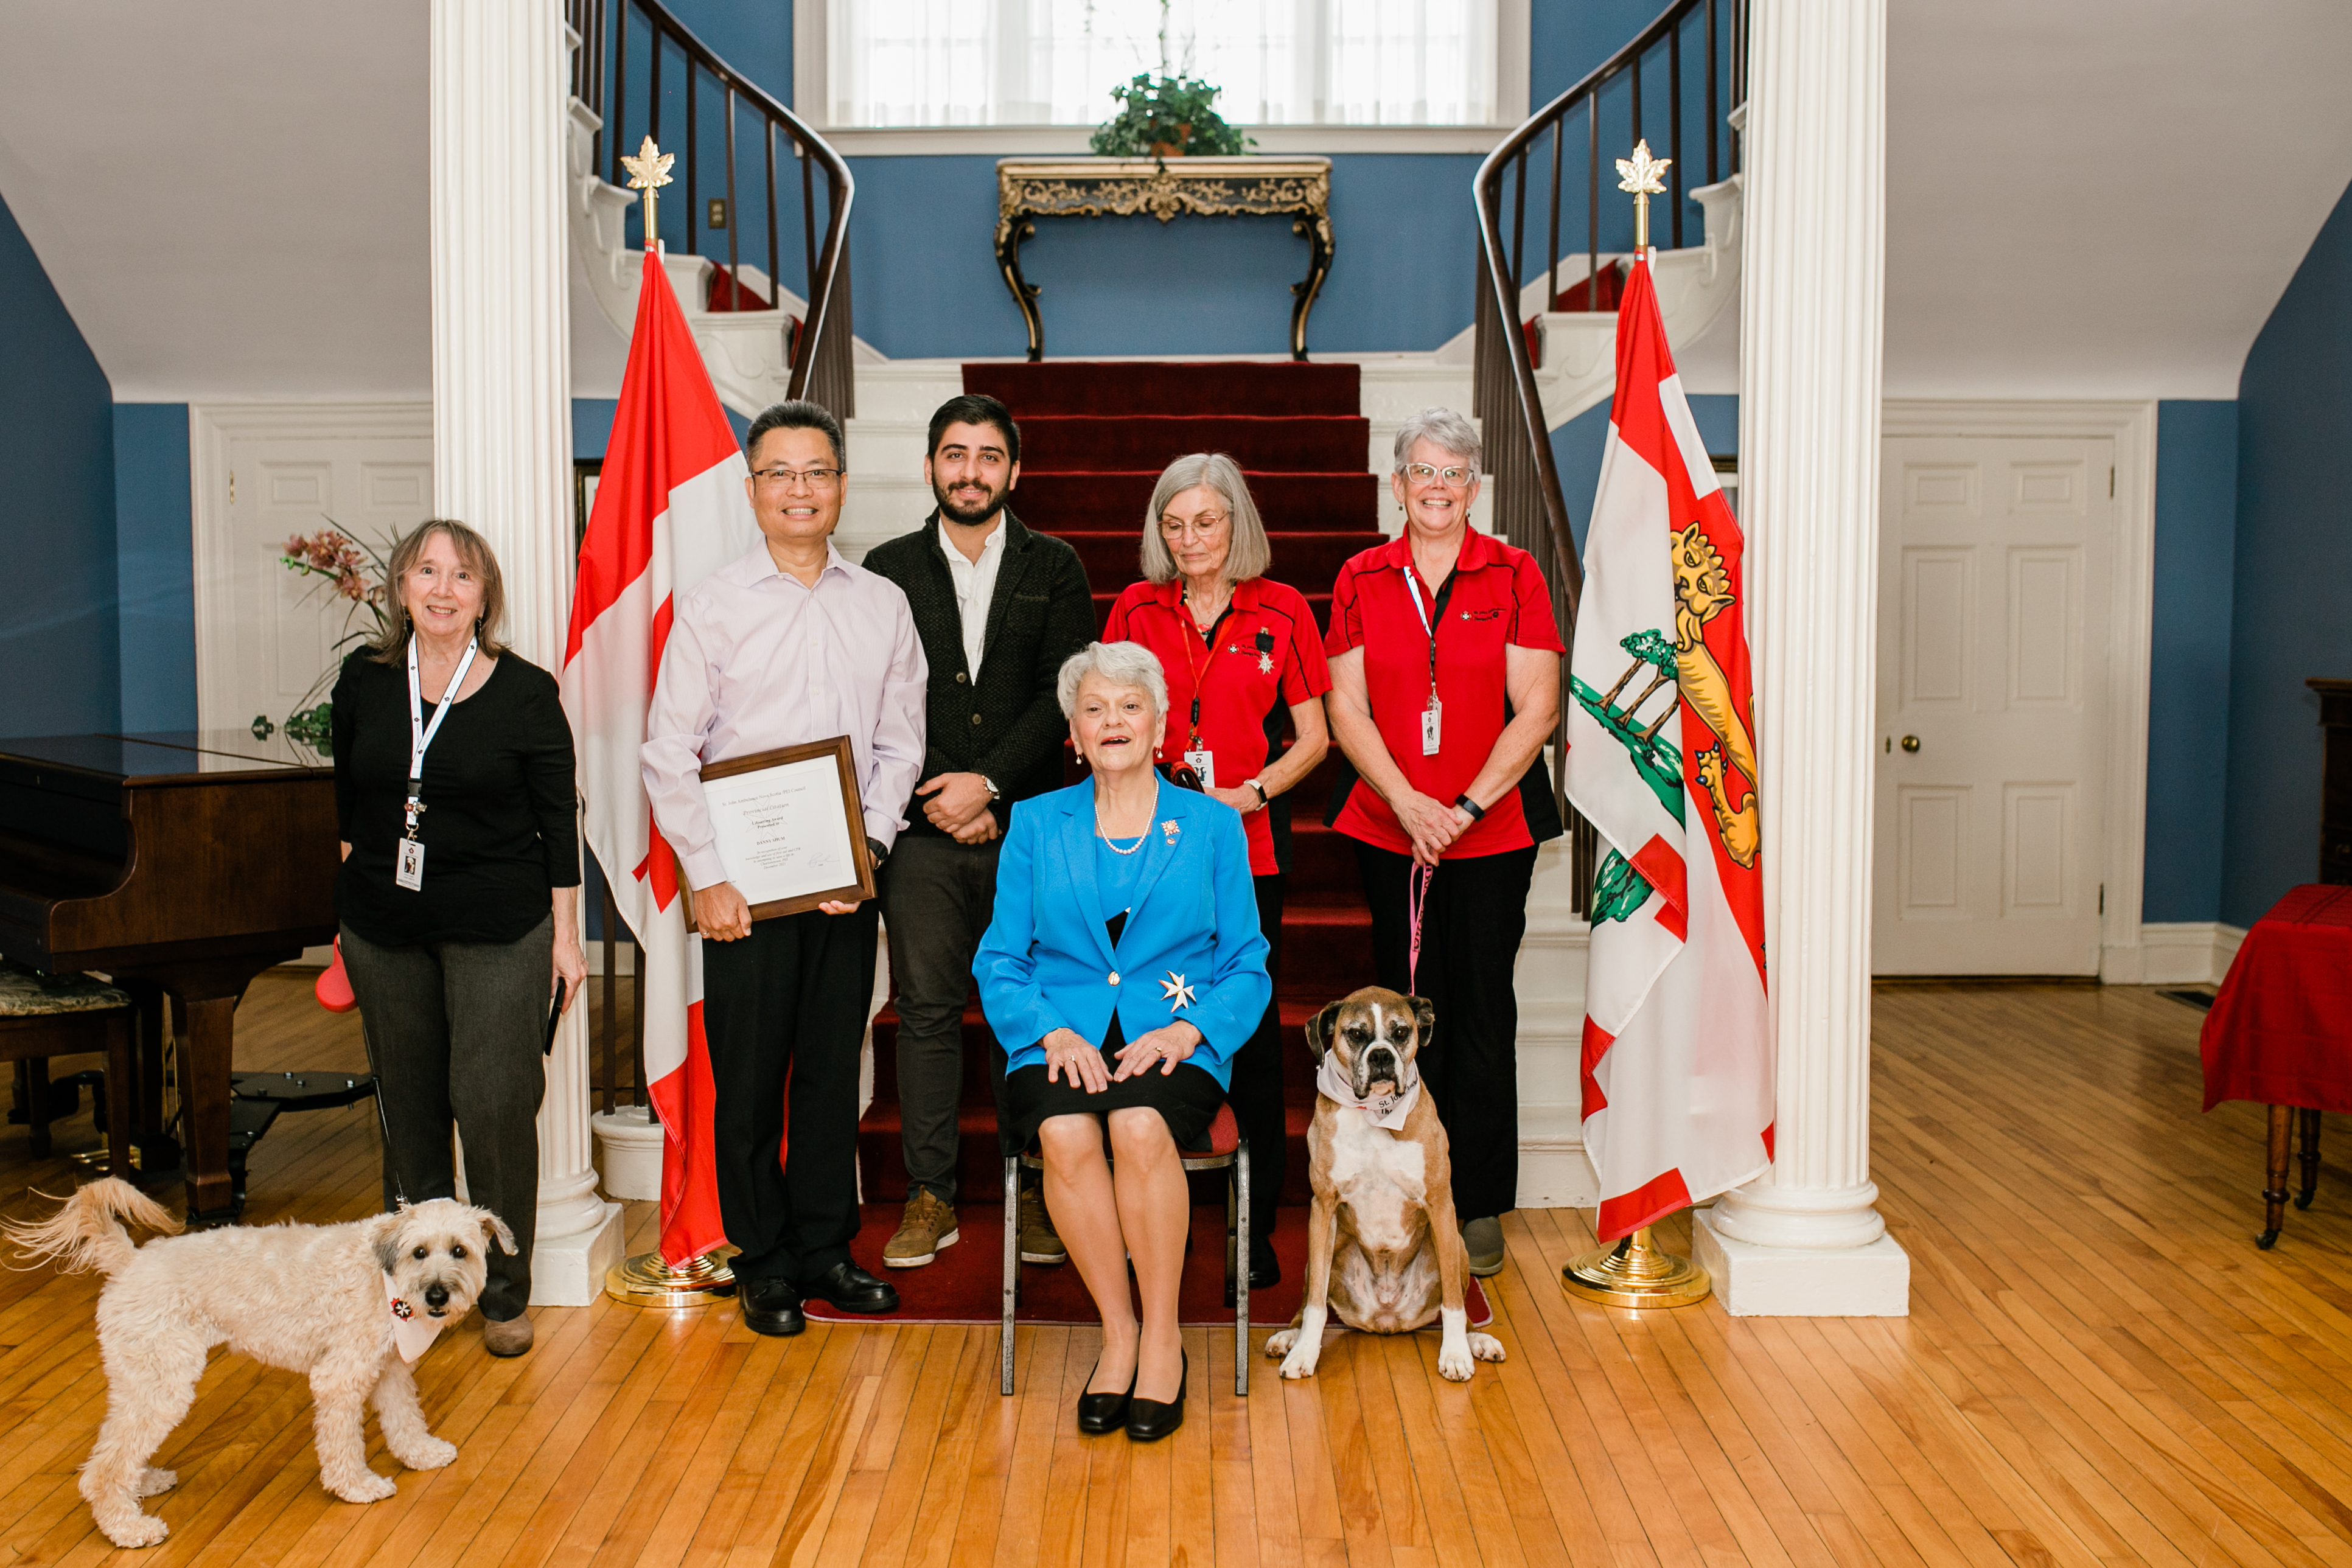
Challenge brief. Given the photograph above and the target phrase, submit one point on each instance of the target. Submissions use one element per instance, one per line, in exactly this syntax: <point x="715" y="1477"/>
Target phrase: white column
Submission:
<point x="502" y="452"/>
<point x="1806" y="1240"/>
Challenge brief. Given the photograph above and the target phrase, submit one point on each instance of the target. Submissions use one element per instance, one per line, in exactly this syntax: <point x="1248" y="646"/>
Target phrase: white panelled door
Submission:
<point x="1992" y="661"/>
<point x="267" y="634"/>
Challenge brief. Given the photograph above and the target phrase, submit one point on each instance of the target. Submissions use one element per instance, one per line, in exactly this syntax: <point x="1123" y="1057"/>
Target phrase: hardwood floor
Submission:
<point x="2099" y="1368"/>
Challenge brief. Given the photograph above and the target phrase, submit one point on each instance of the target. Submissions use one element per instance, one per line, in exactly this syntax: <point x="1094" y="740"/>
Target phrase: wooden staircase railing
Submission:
<point x="1530" y="509"/>
<point x="642" y="39"/>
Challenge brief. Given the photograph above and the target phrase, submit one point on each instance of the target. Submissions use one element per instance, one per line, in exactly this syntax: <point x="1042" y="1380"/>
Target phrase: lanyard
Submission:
<point x="420" y="733"/>
<point x="1208" y="653"/>
<point x="1412" y="591"/>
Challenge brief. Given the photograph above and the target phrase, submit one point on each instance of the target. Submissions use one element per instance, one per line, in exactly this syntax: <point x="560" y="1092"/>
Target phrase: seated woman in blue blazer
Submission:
<point x="1122" y="971"/>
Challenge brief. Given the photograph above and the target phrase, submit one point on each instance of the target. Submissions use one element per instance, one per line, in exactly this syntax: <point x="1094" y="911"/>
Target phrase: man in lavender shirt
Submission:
<point x="789" y="645"/>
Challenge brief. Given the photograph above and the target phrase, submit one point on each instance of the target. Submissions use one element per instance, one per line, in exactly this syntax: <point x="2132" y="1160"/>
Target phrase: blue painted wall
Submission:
<point x="2189" y="668"/>
<point x="59" y="631"/>
<point x="156" y="561"/>
<point x="2292" y="574"/>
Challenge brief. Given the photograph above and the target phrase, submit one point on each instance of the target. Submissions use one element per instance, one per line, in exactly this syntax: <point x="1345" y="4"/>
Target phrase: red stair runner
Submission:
<point x="1094" y="440"/>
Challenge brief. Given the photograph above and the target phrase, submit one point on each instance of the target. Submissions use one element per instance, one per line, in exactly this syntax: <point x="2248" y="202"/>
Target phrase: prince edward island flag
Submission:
<point x="1677" y="1057"/>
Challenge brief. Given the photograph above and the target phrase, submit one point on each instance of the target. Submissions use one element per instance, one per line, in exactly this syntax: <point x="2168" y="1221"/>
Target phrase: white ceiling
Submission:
<point x="2085" y="197"/>
<point x="230" y="196"/>
<point x="2103" y="198"/>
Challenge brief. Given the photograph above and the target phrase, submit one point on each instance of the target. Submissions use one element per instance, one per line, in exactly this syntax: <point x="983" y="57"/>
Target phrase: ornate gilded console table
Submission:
<point x="1028" y="189"/>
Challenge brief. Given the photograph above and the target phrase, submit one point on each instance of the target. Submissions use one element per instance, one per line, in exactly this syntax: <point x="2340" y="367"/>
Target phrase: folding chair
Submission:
<point x="1227" y="1150"/>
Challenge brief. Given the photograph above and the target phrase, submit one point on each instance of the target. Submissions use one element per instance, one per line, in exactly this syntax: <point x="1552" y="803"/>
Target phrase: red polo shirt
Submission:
<point x="1262" y="657"/>
<point x="1496" y="597"/>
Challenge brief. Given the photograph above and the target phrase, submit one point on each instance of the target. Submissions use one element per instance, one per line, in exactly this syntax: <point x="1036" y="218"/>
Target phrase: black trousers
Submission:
<point x="1255" y="1092"/>
<point x="455" y="1031"/>
<point x="1472" y="921"/>
<point x="788" y="1003"/>
<point x="937" y="896"/>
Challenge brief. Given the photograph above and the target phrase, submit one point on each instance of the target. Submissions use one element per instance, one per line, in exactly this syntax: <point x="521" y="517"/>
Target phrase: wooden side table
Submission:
<point x="1028" y="189"/>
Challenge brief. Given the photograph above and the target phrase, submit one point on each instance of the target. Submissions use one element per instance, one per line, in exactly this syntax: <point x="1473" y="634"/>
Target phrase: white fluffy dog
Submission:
<point x="322" y="1300"/>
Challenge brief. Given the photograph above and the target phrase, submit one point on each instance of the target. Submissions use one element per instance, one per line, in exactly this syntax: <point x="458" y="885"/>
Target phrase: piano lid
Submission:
<point x="155" y="757"/>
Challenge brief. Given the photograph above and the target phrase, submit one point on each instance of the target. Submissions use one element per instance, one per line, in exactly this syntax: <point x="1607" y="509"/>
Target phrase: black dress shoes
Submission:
<point x="1264" y="1268"/>
<point x="772" y="1306"/>
<point x="1148" y="1420"/>
<point x="850" y="1289"/>
<point x="1100" y="1412"/>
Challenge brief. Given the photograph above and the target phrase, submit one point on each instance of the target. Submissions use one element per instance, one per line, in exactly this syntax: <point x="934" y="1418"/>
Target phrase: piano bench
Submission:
<point x="42" y="1015"/>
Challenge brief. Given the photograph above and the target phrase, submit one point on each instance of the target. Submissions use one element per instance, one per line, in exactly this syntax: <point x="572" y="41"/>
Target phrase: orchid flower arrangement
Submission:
<point x="355" y="572"/>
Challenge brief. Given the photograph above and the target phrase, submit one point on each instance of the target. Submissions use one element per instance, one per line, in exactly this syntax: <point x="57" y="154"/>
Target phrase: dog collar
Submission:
<point x="1387" y="1110"/>
<point x="412" y="1332"/>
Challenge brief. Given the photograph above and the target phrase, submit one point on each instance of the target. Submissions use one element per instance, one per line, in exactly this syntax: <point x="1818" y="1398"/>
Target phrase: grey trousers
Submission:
<point x="454" y="1032"/>
<point x="938" y="897"/>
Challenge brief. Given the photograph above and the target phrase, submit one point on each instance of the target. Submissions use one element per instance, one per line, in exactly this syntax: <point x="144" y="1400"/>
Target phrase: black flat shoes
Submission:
<point x="1100" y="1412"/>
<point x="1148" y="1420"/>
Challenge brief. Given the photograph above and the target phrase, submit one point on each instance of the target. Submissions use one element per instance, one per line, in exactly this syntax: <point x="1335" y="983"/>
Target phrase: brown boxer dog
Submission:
<point x="1383" y="1251"/>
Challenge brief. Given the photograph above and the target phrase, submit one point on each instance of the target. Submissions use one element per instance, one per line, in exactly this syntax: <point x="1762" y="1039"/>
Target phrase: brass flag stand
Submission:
<point x="645" y="1281"/>
<point x="1632" y="1271"/>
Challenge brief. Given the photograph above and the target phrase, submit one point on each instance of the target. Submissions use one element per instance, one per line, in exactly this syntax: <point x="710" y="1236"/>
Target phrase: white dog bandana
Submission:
<point x="412" y="1332"/>
<point x="1389" y="1110"/>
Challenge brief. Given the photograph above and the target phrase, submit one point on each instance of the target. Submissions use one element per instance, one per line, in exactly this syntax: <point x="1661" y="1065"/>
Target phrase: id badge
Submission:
<point x="1432" y="721"/>
<point x="1203" y="763"/>
<point x="409" y="871"/>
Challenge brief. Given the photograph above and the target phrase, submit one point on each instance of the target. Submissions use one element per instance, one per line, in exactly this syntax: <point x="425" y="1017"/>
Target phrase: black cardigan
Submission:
<point x="499" y="828"/>
<point x="1008" y="726"/>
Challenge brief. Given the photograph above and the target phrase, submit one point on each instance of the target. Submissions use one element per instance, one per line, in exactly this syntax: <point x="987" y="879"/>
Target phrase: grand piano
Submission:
<point x="181" y="865"/>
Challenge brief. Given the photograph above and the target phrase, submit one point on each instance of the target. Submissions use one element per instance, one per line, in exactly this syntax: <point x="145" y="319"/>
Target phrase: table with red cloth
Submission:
<point x="2280" y="1031"/>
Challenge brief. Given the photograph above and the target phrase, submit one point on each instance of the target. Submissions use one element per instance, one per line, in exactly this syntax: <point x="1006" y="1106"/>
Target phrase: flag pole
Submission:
<point x="1634" y="1271"/>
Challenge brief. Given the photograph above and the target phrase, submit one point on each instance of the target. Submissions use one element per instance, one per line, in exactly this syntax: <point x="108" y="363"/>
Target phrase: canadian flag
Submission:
<point x="1677" y="1056"/>
<point x="670" y="509"/>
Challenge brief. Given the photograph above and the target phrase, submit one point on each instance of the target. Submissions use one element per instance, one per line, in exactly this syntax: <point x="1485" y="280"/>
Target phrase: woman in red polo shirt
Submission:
<point x="1446" y="684"/>
<point x="1242" y="657"/>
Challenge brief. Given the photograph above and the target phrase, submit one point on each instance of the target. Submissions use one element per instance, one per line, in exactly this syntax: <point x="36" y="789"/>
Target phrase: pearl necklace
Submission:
<point x="1112" y="844"/>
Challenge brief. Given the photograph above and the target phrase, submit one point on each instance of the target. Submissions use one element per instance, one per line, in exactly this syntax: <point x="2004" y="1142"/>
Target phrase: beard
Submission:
<point x="992" y="501"/>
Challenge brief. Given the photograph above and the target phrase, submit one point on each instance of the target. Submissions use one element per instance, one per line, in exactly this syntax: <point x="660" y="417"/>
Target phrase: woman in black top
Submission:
<point x="459" y="894"/>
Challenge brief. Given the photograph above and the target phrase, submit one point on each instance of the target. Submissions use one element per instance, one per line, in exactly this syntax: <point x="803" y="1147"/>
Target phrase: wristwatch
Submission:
<point x="993" y="792"/>
<point x="875" y="851"/>
<point x="1467" y="804"/>
<point x="1263" y="799"/>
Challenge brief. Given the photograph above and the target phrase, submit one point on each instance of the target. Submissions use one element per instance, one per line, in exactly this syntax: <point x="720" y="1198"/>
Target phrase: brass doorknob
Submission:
<point x="1910" y="743"/>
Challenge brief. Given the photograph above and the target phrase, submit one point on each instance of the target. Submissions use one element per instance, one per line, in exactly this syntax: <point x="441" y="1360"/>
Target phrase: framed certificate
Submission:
<point x="789" y="828"/>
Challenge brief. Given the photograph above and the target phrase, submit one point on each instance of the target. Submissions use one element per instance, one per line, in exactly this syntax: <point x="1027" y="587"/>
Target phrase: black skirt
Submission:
<point x="1186" y="1099"/>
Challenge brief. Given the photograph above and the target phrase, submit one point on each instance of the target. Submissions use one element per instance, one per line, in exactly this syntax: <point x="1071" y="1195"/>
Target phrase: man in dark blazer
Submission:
<point x="998" y="608"/>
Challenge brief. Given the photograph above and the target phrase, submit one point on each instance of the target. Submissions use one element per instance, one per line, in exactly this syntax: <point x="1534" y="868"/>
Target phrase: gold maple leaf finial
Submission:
<point x="649" y="172"/>
<point x="1644" y="176"/>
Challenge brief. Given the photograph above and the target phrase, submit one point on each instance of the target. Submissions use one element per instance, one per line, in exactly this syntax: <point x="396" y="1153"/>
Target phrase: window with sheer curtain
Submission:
<point x="1054" y="62"/>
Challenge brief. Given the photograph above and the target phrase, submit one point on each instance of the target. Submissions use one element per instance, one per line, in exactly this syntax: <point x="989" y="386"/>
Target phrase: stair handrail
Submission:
<point x="1530" y="509"/>
<point x="821" y="362"/>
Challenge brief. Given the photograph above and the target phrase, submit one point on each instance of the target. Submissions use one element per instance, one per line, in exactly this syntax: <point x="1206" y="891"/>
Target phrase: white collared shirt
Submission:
<point x="975" y="588"/>
<point x="757" y="660"/>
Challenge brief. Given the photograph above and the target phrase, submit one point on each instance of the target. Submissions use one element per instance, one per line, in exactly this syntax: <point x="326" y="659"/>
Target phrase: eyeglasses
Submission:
<point x="815" y="479"/>
<point x="1203" y="526"/>
<point x="1455" y="477"/>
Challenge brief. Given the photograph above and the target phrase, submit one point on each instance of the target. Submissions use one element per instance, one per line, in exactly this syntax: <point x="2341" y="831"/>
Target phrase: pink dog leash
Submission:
<point x="1416" y="895"/>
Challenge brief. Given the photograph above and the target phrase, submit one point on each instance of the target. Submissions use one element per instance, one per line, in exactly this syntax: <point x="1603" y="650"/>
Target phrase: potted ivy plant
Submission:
<point x="1167" y="117"/>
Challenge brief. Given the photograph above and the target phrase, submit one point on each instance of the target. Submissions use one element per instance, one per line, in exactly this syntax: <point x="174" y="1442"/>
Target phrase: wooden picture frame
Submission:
<point x="858" y="856"/>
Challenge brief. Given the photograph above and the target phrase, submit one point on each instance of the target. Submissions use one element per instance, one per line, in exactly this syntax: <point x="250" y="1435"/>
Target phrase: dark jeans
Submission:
<point x="454" y="1032"/>
<point x="1255" y="1092"/>
<point x="938" y="897"/>
<point x="1473" y="918"/>
<point x="788" y="1003"/>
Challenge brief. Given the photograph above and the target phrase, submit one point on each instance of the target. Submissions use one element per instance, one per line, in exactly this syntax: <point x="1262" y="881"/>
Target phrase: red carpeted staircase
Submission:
<point x="1094" y="440"/>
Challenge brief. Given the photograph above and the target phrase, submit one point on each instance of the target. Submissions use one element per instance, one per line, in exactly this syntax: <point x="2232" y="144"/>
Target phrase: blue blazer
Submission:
<point x="1047" y="962"/>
